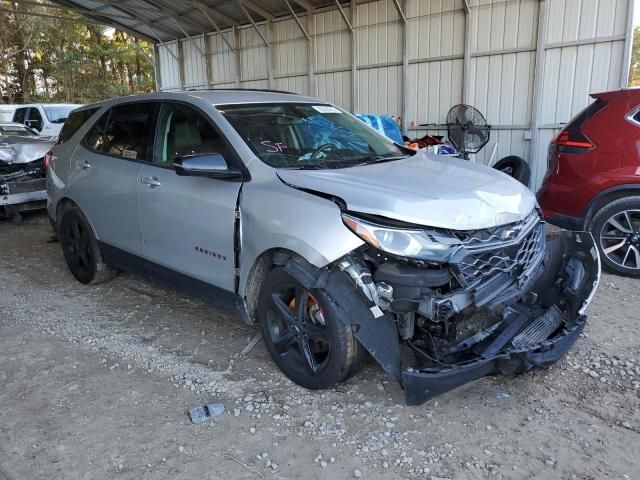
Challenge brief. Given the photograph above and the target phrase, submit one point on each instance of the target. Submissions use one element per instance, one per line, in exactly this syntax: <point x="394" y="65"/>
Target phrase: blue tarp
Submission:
<point x="384" y="124"/>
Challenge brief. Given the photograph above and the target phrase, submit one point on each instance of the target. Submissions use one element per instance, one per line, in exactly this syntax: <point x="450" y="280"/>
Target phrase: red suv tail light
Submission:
<point x="572" y="139"/>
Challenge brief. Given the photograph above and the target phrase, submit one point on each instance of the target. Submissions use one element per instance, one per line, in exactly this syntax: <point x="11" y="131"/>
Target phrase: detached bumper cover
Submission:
<point x="421" y="385"/>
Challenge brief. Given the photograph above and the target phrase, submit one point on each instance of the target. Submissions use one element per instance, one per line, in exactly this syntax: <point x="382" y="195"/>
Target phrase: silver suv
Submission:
<point x="335" y="240"/>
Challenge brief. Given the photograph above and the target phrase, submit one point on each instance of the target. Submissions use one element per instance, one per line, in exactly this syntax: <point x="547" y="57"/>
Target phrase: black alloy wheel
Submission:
<point x="303" y="334"/>
<point x="80" y="249"/>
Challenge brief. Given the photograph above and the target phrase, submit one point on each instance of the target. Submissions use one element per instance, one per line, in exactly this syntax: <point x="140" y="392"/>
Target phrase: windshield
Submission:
<point x="16" y="130"/>
<point x="58" y="114"/>
<point x="308" y="136"/>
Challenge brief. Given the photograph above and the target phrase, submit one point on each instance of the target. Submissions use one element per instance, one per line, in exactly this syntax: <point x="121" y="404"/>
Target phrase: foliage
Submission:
<point x="634" y="74"/>
<point x="67" y="59"/>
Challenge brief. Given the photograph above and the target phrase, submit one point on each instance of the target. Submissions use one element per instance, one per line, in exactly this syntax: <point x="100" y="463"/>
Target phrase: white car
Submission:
<point x="46" y="119"/>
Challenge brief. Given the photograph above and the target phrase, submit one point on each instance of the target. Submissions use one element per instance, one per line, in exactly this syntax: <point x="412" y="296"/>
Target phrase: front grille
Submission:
<point x="518" y="258"/>
<point x="27" y="186"/>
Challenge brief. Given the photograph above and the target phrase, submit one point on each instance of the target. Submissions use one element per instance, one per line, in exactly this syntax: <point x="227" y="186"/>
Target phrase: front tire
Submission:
<point x="616" y="229"/>
<point x="80" y="249"/>
<point x="304" y="335"/>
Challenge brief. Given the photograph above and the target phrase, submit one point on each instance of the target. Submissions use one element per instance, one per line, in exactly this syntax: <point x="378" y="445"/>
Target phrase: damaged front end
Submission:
<point x="467" y="303"/>
<point x="22" y="174"/>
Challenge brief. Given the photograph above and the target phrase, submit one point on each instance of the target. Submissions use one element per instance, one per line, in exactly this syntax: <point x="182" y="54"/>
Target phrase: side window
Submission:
<point x="636" y="117"/>
<point x="95" y="138"/>
<point x="73" y="123"/>
<point x="184" y="131"/>
<point x="35" y="119"/>
<point x="128" y="129"/>
<point x="19" y="115"/>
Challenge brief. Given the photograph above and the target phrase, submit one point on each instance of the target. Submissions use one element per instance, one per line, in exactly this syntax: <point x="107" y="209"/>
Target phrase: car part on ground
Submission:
<point x="22" y="174"/>
<point x="330" y="235"/>
<point x="515" y="167"/>
<point x="593" y="166"/>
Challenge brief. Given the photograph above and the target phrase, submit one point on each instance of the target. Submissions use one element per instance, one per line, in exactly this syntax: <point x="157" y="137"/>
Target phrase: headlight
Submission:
<point x="7" y="154"/>
<point x="403" y="242"/>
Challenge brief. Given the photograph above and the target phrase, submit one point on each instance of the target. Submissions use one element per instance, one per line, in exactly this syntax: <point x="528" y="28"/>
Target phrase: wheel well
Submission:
<point x="607" y="197"/>
<point x="255" y="278"/>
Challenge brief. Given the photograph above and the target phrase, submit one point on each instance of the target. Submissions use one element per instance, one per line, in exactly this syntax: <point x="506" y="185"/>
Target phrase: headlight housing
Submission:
<point x="415" y="243"/>
<point x="8" y="154"/>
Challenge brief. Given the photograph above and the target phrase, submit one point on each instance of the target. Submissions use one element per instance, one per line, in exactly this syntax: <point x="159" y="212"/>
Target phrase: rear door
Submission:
<point x="104" y="173"/>
<point x="188" y="222"/>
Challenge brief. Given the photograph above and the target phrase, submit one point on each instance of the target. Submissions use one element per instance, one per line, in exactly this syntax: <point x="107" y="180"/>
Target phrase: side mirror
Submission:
<point x="212" y="165"/>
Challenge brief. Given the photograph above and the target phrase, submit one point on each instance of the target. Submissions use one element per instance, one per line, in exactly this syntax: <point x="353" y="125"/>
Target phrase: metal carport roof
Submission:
<point x="163" y="20"/>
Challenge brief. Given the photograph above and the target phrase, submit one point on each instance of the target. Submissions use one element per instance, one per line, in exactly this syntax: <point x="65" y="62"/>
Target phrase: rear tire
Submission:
<point x="80" y="249"/>
<point x="304" y="335"/>
<point x="616" y="230"/>
<point x="515" y="167"/>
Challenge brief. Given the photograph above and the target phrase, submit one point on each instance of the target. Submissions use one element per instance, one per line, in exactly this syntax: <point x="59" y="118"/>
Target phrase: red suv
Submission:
<point x="593" y="180"/>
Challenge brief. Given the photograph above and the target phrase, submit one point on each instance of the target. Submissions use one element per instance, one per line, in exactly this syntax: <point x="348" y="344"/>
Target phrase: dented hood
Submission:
<point x="425" y="189"/>
<point x="15" y="149"/>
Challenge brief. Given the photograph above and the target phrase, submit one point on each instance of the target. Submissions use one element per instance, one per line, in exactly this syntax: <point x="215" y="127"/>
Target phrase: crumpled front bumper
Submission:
<point x="421" y="385"/>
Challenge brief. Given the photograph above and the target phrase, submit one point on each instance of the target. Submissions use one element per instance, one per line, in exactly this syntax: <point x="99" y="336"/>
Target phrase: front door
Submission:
<point x="188" y="222"/>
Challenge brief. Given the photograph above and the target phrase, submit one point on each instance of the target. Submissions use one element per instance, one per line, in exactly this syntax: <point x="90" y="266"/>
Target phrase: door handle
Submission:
<point x="151" y="181"/>
<point x="86" y="165"/>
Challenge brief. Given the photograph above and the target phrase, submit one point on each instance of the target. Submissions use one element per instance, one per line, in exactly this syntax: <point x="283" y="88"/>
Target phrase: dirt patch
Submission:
<point x="95" y="382"/>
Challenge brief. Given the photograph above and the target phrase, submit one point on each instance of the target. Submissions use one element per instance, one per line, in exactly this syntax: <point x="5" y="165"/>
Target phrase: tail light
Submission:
<point x="573" y="142"/>
<point x="572" y="139"/>
<point x="47" y="159"/>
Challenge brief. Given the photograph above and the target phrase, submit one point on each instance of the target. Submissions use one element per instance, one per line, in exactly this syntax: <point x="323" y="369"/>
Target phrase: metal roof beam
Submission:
<point x="205" y="12"/>
<point x="256" y="9"/>
<point x="215" y="13"/>
<point x="295" y="17"/>
<point x="344" y="16"/>
<point x="253" y="23"/>
<point x="304" y="4"/>
<point x="396" y="3"/>
<point x="175" y="16"/>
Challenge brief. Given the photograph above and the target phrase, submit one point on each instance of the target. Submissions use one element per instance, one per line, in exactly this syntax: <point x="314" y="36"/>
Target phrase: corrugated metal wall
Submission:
<point x="528" y="65"/>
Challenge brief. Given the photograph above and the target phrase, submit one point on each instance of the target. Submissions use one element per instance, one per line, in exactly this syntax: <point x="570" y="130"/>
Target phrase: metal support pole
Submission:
<point x="405" y="67"/>
<point x="238" y="53"/>
<point x="628" y="43"/>
<point x="311" y="46"/>
<point x="538" y="78"/>
<point x="270" y="53"/>
<point x="354" y="55"/>
<point x="466" y="77"/>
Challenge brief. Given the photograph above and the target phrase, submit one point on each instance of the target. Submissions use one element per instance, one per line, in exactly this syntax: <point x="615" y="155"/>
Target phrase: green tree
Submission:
<point x="67" y="59"/>
<point x="634" y="73"/>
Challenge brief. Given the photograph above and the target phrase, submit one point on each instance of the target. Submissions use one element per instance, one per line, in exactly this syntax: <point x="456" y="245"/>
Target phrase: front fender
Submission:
<point x="275" y="216"/>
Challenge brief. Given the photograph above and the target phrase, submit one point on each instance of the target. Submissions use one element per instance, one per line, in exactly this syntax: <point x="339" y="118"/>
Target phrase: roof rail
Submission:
<point x="268" y="90"/>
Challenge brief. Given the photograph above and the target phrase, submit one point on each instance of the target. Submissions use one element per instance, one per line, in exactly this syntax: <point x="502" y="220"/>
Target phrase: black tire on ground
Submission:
<point x="304" y="335"/>
<point x="515" y="167"/>
<point x="81" y="250"/>
<point x="616" y="230"/>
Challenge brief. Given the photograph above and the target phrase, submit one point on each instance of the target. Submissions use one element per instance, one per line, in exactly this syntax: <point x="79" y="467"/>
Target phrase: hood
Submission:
<point x="425" y="189"/>
<point x="15" y="149"/>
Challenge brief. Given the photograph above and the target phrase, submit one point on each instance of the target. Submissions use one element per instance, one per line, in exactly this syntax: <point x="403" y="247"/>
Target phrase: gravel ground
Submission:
<point x="95" y="382"/>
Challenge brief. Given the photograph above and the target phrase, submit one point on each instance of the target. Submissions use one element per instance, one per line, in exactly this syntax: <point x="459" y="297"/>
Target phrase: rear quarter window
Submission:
<point x="124" y="131"/>
<point x="74" y="122"/>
